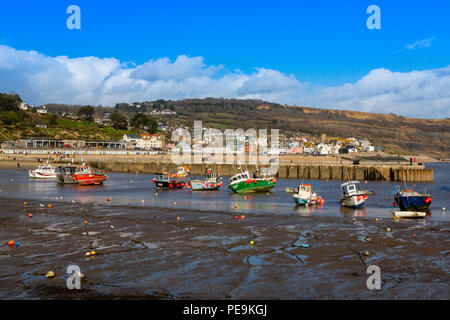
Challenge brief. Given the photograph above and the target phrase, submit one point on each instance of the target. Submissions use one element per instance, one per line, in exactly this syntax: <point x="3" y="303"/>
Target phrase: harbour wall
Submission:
<point x="372" y="172"/>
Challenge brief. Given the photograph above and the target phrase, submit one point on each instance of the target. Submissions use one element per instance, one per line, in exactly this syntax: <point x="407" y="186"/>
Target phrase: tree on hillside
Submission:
<point x="141" y="121"/>
<point x="9" y="102"/>
<point x="119" y="121"/>
<point x="87" y="113"/>
<point x="53" y="120"/>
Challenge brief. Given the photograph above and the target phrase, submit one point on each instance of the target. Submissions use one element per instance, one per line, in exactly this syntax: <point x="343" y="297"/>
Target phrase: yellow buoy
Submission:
<point x="252" y="242"/>
<point x="88" y="254"/>
<point x="50" y="274"/>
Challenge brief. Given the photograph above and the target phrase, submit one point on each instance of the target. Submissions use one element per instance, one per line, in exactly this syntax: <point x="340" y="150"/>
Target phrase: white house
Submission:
<point x="23" y="106"/>
<point x="150" y="141"/>
<point x="131" y="138"/>
<point x="42" y="110"/>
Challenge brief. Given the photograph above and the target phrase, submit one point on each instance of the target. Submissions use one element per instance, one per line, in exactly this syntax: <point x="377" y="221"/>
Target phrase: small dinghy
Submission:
<point x="410" y="214"/>
<point x="291" y="190"/>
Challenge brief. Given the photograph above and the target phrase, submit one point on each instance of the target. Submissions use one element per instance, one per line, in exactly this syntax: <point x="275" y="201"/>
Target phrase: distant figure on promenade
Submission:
<point x="410" y="161"/>
<point x="18" y="165"/>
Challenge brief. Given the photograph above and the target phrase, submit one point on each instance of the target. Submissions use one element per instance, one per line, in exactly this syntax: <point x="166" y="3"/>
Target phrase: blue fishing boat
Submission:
<point x="410" y="200"/>
<point x="211" y="182"/>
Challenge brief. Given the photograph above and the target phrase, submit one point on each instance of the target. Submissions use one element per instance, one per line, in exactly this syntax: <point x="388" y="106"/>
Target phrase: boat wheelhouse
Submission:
<point x="64" y="174"/>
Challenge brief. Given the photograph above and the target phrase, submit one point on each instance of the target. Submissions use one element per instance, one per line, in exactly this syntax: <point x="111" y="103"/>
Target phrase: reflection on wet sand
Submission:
<point x="354" y="212"/>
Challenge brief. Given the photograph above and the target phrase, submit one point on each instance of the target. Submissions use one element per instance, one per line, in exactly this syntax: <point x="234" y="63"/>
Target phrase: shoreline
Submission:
<point x="150" y="254"/>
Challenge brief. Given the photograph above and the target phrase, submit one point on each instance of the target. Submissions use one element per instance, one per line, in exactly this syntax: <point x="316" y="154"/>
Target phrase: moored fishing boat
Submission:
<point x="352" y="195"/>
<point x="64" y="174"/>
<point x="242" y="182"/>
<point x="211" y="182"/>
<point x="85" y="175"/>
<point x="167" y="181"/>
<point x="47" y="172"/>
<point x="305" y="196"/>
<point x="410" y="200"/>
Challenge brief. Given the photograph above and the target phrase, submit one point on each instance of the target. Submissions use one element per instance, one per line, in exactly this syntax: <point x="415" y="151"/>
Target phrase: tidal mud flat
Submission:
<point x="170" y="253"/>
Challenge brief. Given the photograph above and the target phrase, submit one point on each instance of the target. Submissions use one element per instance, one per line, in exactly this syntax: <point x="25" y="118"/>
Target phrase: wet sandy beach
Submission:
<point x="206" y="254"/>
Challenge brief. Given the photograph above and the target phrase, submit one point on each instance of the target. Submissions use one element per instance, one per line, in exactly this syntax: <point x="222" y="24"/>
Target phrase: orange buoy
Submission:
<point x="85" y="222"/>
<point x="242" y="217"/>
<point x="11" y="243"/>
<point x="49" y="205"/>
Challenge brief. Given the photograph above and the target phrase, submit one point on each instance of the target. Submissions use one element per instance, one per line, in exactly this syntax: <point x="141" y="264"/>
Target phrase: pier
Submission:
<point x="371" y="172"/>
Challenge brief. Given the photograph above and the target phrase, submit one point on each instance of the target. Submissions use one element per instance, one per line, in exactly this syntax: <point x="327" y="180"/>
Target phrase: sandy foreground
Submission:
<point x="155" y="253"/>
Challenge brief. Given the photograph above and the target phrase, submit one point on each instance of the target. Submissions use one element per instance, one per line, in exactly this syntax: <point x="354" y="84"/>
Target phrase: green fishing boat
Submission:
<point x="242" y="182"/>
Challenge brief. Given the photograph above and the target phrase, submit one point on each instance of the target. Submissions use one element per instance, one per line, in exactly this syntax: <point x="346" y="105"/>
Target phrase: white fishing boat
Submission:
<point x="352" y="195"/>
<point x="305" y="196"/>
<point x="47" y="172"/>
<point x="410" y="214"/>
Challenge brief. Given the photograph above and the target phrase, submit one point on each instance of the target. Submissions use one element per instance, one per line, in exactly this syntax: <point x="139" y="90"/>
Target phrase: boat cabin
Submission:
<point x="67" y="169"/>
<point x="46" y="168"/>
<point x="163" y="178"/>
<point x="211" y="176"/>
<point x="351" y="188"/>
<point x="243" y="176"/>
<point x="304" y="188"/>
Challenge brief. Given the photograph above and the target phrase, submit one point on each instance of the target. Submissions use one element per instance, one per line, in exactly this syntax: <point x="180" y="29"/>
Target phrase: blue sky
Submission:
<point x="322" y="43"/>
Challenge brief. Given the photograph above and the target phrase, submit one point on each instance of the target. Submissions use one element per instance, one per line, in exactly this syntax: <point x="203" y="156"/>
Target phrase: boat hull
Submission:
<point x="197" y="185"/>
<point x="89" y="179"/>
<point x="251" y="187"/>
<point x="42" y="176"/>
<point x="169" y="184"/>
<point x="302" y="201"/>
<point x="354" y="201"/>
<point x="413" y="203"/>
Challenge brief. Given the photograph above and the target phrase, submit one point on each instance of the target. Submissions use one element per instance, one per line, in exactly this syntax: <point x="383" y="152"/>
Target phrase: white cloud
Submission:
<point x="40" y="79"/>
<point x="426" y="43"/>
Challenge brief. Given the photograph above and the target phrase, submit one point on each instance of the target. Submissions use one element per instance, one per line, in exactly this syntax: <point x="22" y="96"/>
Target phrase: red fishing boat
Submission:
<point x="87" y="176"/>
